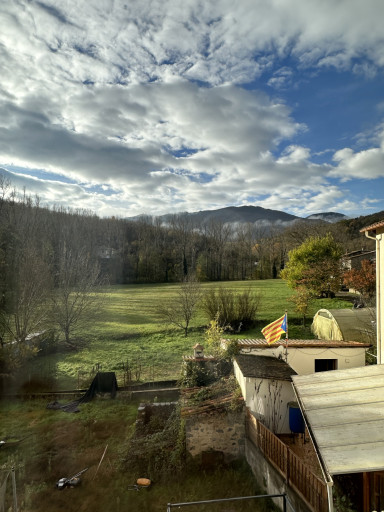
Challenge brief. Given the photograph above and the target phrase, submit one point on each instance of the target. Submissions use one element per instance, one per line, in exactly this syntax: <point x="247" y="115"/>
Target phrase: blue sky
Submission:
<point x="164" y="106"/>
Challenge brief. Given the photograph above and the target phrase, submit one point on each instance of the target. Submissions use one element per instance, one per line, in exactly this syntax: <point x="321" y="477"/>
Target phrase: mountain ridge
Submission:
<point x="248" y="214"/>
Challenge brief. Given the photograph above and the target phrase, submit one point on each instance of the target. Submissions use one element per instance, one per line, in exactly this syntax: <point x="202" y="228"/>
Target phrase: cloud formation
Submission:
<point x="133" y="107"/>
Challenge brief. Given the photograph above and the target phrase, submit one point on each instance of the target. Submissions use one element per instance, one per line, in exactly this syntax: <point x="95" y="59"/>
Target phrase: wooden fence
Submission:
<point x="296" y="473"/>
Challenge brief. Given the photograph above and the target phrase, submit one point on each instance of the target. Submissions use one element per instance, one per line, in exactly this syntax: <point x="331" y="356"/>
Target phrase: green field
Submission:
<point x="128" y="330"/>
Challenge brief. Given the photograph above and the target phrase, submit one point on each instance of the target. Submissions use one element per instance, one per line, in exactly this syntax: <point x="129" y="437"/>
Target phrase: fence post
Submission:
<point x="288" y="468"/>
<point x="284" y="502"/>
<point x="15" y="508"/>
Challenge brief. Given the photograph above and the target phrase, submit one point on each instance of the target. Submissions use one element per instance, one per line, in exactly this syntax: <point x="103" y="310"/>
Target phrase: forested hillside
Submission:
<point x="34" y="240"/>
<point x="353" y="226"/>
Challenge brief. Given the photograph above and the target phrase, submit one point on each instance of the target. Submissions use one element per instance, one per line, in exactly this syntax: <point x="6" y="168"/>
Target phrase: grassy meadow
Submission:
<point x="128" y="332"/>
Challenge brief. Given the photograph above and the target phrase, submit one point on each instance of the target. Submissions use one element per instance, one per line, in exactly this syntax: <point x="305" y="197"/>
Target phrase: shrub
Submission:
<point x="160" y="454"/>
<point x="232" y="311"/>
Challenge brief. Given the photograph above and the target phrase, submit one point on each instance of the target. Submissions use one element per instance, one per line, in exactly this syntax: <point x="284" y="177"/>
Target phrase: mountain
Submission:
<point x="327" y="217"/>
<point x="249" y="214"/>
<point x="242" y="214"/>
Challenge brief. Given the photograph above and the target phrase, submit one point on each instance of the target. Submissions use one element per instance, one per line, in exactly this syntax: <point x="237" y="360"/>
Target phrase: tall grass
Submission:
<point x="60" y="444"/>
<point x="128" y="332"/>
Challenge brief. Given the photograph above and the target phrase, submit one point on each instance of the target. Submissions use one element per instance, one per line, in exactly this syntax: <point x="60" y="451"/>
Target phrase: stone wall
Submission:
<point x="220" y="432"/>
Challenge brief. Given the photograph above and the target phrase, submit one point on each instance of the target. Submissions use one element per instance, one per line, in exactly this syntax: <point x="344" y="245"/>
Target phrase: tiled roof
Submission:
<point x="264" y="367"/>
<point x="262" y="343"/>
<point x="379" y="224"/>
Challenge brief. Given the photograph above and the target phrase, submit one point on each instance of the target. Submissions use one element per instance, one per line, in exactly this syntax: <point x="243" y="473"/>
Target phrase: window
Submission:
<point x="324" y="365"/>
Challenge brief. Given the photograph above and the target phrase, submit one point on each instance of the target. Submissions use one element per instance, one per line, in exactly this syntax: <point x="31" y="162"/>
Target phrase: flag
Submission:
<point x="273" y="331"/>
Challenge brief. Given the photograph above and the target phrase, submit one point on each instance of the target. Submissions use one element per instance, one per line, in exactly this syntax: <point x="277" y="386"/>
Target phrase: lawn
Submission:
<point x="128" y="333"/>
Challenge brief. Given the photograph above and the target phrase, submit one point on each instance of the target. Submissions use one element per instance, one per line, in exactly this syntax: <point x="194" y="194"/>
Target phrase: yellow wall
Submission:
<point x="379" y="293"/>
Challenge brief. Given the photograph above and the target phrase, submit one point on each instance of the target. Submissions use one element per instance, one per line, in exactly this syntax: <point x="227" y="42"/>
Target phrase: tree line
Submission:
<point x="147" y="250"/>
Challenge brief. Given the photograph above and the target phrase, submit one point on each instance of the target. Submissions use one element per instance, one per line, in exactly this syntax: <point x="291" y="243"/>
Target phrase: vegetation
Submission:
<point x="73" y="300"/>
<point x="302" y="299"/>
<point x="363" y="280"/>
<point x="316" y="265"/>
<point x="60" y="444"/>
<point x="180" y="310"/>
<point x="352" y="227"/>
<point x="232" y="311"/>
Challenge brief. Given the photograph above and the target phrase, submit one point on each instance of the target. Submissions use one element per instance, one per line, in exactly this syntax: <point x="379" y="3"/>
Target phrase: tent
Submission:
<point x="345" y="324"/>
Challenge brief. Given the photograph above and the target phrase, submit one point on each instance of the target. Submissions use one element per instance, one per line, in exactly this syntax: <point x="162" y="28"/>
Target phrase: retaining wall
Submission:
<point x="216" y="432"/>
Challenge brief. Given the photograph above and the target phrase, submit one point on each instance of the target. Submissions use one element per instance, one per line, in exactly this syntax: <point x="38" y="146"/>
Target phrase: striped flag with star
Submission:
<point x="273" y="331"/>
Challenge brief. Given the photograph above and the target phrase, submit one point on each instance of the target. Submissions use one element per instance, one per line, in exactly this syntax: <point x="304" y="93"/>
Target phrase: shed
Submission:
<point x="266" y="384"/>
<point x="345" y="324"/>
<point x="344" y="411"/>
<point x="308" y="356"/>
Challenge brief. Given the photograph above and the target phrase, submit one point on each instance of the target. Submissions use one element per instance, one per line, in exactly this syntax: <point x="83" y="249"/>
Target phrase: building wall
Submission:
<point x="218" y="431"/>
<point x="302" y="360"/>
<point x="268" y="400"/>
<point x="379" y="294"/>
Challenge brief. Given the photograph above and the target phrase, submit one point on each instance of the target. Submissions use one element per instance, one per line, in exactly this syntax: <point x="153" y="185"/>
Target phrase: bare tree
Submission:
<point x="181" y="309"/>
<point x="75" y="298"/>
<point x="24" y="313"/>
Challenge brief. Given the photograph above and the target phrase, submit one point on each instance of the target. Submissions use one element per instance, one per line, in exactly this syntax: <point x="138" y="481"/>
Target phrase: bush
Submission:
<point x="232" y="311"/>
<point x="160" y="454"/>
<point x="197" y="373"/>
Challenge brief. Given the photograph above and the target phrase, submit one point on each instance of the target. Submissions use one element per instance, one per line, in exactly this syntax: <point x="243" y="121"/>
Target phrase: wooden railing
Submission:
<point x="296" y="473"/>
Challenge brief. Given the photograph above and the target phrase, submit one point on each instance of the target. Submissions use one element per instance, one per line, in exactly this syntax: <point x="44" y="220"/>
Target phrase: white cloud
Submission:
<point x="366" y="164"/>
<point x="215" y="42"/>
<point x="109" y="94"/>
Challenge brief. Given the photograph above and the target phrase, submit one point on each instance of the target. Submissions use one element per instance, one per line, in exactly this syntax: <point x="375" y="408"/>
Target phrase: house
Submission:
<point x="309" y="356"/>
<point x="345" y="324"/>
<point x="376" y="232"/>
<point x="344" y="413"/>
<point x="266" y="385"/>
<point x="353" y="259"/>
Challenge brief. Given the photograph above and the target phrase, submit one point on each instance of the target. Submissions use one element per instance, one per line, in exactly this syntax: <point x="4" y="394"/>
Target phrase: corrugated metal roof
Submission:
<point x="264" y="367"/>
<point x="262" y="343"/>
<point x="345" y="412"/>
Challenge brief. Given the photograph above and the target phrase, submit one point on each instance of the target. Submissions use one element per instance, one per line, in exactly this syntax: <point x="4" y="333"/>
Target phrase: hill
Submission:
<point x="248" y="214"/>
<point x="354" y="225"/>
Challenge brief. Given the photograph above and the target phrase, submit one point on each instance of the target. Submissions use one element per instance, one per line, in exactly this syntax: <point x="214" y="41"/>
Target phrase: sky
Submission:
<point x="128" y="107"/>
